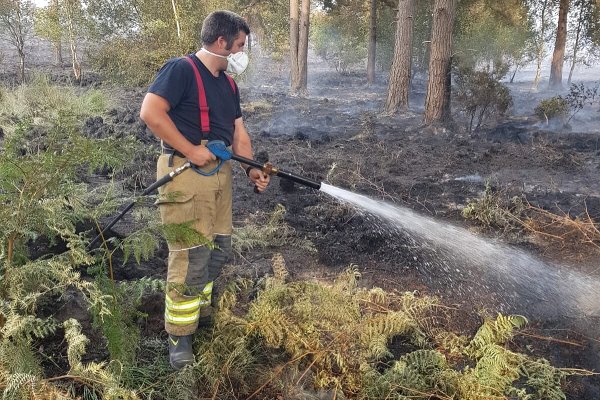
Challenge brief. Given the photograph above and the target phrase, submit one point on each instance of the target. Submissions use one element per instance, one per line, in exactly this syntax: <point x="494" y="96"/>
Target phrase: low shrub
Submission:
<point x="493" y="210"/>
<point x="482" y="95"/>
<point x="553" y="109"/>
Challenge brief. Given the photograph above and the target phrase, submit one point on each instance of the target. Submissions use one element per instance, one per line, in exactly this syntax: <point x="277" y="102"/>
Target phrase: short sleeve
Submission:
<point x="172" y="81"/>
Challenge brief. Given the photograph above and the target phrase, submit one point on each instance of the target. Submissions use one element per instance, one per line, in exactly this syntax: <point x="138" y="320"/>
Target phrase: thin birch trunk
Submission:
<point x="20" y="41"/>
<point x="294" y="39"/>
<point x="580" y="20"/>
<point x="541" y="46"/>
<point x="73" y="41"/>
<point x="372" y="42"/>
<point x="57" y="45"/>
<point x="176" y="19"/>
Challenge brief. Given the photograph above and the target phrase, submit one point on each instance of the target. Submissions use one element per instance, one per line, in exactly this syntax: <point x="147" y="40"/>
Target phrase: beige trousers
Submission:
<point x="205" y="203"/>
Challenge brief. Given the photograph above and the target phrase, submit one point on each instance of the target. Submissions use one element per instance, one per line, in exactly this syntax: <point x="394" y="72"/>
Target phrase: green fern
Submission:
<point x="97" y="375"/>
<point x="42" y="160"/>
<point x="414" y="375"/>
<point x="184" y="233"/>
<point x="280" y="272"/>
<point x="379" y="329"/>
<point x="28" y="327"/>
<point x="427" y="364"/>
<point x="20" y="386"/>
<point x="119" y="324"/>
<point x="496" y="331"/>
<point x="543" y="380"/>
<point x="18" y="356"/>
<point x="142" y="244"/>
<point x="76" y="342"/>
<point x="335" y="329"/>
<point x="497" y="369"/>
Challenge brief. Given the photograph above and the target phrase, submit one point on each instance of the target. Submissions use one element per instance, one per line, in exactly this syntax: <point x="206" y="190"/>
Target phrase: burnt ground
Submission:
<point x="338" y="135"/>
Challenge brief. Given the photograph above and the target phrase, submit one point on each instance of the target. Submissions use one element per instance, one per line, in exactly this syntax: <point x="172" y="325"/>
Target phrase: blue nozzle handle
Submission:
<point x="218" y="148"/>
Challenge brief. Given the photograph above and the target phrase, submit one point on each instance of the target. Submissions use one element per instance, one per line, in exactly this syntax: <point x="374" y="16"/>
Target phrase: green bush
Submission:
<point x="555" y="108"/>
<point x="134" y="60"/>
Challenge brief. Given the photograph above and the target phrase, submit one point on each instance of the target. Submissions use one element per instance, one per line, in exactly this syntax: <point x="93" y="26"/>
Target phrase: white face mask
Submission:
<point x="236" y="63"/>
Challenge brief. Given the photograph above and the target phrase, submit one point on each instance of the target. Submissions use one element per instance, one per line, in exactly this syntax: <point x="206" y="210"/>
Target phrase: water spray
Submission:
<point x="218" y="148"/>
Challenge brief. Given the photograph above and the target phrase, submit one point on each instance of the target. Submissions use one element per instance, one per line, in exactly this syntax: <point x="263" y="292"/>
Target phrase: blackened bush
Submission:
<point x="481" y="94"/>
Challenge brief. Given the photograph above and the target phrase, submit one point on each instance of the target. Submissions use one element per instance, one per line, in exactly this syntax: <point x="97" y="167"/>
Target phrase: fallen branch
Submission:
<point x="550" y="339"/>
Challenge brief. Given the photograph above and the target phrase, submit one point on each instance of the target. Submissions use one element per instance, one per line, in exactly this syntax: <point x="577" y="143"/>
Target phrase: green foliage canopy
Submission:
<point x="491" y="32"/>
<point x="341" y="44"/>
<point x="136" y="38"/>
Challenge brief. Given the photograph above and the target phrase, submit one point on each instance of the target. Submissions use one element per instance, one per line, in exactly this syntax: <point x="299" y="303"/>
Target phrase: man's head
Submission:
<point x="223" y="24"/>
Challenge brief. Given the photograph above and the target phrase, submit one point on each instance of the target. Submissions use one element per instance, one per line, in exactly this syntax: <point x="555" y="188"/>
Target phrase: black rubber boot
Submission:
<point x="181" y="352"/>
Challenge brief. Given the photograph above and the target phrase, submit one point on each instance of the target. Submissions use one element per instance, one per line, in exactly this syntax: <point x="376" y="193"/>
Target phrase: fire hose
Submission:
<point x="218" y="148"/>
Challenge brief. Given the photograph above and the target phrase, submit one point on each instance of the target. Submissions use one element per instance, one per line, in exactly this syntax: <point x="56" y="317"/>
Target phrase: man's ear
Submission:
<point x="222" y="42"/>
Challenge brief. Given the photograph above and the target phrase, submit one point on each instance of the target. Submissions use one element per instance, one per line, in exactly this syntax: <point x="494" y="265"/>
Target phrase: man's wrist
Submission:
<point x="248" y="168"/>
<point x="187" y="149"/>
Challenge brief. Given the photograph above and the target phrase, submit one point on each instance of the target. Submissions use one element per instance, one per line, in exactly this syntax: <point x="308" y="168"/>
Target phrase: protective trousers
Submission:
<point x="203" y="202"/>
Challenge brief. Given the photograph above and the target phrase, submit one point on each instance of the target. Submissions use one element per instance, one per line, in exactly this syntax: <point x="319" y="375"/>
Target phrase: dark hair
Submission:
<point x="222" y="23"/>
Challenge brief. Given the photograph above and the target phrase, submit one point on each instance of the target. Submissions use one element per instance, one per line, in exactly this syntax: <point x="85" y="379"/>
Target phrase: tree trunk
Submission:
<point x="20" y="41"/>
<point x="558" y="57"/>
<point x="294" y="38"/>
<point x="400" y="74"/>
<point x="437" y="103"/>
<point x="512" y="78"/>
<point x="73" y="40"/>
<point x="176" y="17"/>
<point x="580" y="20"/>
<point x="301" y="87"/>
<point x="57" y="45"/>
<point x="75" y="59"/>
<point x="540" y="48"/>
<point x="10" y="250"/>
<point x="372" y="42"/>
<point x="57" y="50"/>
<point x="21" y="65"/>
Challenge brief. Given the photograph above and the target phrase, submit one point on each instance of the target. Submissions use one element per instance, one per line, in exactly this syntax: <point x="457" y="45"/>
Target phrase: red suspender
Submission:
<point x="204" y="119"/>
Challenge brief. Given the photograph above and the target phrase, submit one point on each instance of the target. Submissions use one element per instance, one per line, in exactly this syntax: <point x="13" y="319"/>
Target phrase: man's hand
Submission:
<point x="260" y="179"/>
<point x="200" y="156"/>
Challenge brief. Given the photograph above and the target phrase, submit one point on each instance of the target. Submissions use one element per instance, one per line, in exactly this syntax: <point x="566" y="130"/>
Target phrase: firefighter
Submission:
<point x="194" y="100"/>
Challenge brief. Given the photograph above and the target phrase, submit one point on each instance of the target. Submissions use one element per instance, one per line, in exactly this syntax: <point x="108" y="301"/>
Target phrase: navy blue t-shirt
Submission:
<point x="176" y="83"/>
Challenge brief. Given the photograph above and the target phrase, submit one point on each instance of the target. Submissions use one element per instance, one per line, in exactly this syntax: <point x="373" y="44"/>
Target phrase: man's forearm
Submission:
<point x="242" y="146"/>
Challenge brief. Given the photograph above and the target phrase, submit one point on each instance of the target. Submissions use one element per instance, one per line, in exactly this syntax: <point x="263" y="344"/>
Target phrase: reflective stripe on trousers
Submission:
<point x="187" y="312"/>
